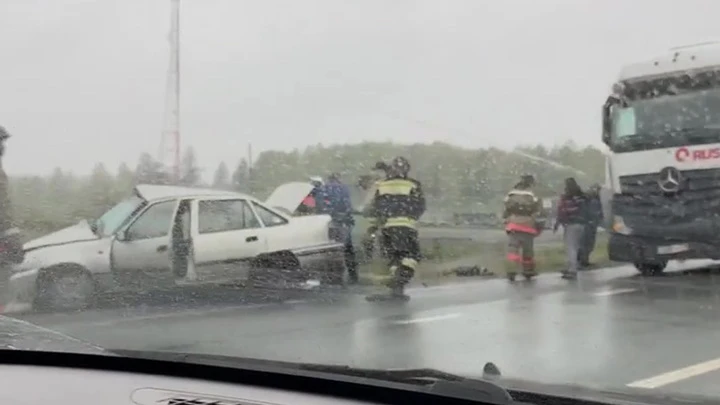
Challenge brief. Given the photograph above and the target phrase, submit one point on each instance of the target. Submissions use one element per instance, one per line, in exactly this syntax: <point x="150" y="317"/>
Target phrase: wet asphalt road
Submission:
<point x="610" y="328"/>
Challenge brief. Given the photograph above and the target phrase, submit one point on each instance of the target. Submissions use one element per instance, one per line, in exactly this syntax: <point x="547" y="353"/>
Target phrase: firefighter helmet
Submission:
<point x="399" y="165"/>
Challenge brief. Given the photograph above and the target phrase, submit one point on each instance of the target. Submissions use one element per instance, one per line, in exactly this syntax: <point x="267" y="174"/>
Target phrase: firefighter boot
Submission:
<point x="528" y="268"/>
<point x="396" y="285"/>
<point x="529" y="273"/>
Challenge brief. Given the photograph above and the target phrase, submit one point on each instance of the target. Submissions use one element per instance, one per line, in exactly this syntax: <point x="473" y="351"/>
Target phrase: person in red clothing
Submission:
<point x="522" y="211"/>
<point x="309" y="205"/>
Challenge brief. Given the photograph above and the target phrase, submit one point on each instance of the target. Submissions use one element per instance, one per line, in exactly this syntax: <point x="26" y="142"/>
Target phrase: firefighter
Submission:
<point x="522" y="211"/>
<point x="398" y="204"/>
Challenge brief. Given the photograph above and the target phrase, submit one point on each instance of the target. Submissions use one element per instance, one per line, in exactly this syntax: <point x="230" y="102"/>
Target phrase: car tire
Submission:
<point x="651" y="269"/>
<point x="336" y="278"/>
<point x="65" y="289"/>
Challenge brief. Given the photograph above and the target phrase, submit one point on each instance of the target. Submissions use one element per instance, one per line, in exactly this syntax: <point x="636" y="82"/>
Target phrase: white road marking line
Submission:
<point x="677" y="375"/>
<point x="616" y="291"/>
<point x="166" y="315"/>
<point x="428" y="319"/>
<point x="295" y="302"/>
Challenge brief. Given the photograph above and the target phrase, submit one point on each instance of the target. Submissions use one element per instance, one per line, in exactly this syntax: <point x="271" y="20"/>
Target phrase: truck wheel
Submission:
<point x="66" y="289"/>
<point x="651" y="269"/>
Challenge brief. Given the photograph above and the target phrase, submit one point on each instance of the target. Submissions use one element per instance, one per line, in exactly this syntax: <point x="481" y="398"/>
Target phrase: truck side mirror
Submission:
<point x="611" y="102"/>
<point x="606" y="126"/>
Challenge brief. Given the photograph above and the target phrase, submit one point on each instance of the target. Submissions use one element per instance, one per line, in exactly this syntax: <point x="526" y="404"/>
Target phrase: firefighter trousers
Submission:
<point x="402" y="249"/>
<point x="521" y="252"/>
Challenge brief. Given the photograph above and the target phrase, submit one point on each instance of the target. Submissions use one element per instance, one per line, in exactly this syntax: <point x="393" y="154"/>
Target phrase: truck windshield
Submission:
<point x="114" y="218"/>
<point x="667" y="121"/>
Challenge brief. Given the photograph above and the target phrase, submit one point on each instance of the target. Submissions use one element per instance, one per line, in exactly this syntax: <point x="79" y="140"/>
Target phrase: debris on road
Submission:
<point x="469" y="271"/>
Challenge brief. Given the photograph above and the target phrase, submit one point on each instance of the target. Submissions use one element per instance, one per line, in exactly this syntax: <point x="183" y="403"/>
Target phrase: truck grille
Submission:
<point x="643" y="200"/>
<point x="695" y="181"/>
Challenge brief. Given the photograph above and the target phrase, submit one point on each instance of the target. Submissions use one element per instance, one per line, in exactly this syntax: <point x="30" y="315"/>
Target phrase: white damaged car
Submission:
<point x="167" y="236"/>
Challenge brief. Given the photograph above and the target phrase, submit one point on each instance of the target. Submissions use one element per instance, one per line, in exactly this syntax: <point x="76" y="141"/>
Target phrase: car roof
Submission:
<point x="151" y="192"/>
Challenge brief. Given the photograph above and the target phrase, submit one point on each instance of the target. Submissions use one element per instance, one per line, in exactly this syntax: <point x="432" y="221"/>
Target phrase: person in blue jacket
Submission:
<point x="334" y="199"/>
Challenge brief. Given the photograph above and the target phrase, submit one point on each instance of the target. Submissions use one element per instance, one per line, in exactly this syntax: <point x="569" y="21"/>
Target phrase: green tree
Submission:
<point x="189" y="170"/>
<point x="240" y="176"/>
<point x="221" y="178"/>
<point x="150" y="171"/>
<point x="124" y="180"/>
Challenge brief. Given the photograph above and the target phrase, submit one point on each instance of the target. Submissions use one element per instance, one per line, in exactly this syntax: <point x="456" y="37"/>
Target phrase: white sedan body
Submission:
<point x="167" y="236"/>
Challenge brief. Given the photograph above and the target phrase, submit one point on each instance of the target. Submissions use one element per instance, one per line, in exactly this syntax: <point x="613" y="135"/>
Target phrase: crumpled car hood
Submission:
<point x="74" y="233"/>
<point x="289" y="196"/>
<point x="20" y="335"/>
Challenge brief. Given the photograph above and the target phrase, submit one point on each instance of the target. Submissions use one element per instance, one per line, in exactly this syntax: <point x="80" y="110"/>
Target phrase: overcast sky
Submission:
<point x="84" y="81"/>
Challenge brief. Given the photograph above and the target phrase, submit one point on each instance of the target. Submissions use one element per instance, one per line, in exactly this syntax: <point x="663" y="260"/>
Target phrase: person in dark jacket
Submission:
<point x="10" y="238"/>
<point x="572" y="215"/>
<point x="334" y="200"/>
<point x="595" y="217"/>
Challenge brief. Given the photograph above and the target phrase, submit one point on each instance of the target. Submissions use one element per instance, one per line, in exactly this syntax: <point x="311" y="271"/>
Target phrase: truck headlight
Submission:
<point x="618" y="226"/>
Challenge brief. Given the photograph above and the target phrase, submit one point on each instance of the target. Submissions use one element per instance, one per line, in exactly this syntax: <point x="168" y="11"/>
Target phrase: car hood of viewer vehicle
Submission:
<point x="20" y="335"/>
<point x="74" y="233"/>
<point x="289" y="196"/>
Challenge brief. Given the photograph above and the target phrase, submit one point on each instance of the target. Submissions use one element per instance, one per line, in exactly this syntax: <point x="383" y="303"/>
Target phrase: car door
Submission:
<point x="226" y="236"/>
<point x="142" y="247"/>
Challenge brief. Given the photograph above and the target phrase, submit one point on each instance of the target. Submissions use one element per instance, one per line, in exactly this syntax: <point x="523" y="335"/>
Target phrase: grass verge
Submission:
<point x="441" y="256"/>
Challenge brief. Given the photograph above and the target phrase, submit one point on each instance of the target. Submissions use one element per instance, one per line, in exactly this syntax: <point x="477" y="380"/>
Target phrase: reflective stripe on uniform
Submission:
<point x="400" y="221"/>
<point x="395" y="187"/>
<point x="514" y="257"/>
<point x="409" y="262"/>
<point x="513" y="227"/>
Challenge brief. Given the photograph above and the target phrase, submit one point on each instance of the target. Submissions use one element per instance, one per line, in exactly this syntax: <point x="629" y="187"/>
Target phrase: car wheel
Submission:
<point x="651" y="269"/>
<point x="336" y="277"/>
<point x="69" y="289"/>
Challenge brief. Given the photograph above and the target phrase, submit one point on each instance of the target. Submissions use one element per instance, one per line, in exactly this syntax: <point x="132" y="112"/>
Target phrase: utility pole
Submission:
<point x="170" y="141"/>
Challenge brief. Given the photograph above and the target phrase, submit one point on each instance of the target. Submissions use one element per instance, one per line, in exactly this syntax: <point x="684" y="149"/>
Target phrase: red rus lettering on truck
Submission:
<point x="683" y="154"/>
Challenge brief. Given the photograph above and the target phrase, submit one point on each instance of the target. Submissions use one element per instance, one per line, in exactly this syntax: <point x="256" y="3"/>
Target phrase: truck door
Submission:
<point x="142" y="247"/>
<point x="226" y="236"/>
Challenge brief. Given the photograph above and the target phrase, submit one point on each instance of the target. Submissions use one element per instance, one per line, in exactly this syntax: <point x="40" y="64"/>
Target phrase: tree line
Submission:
<point x="456" y="180"/>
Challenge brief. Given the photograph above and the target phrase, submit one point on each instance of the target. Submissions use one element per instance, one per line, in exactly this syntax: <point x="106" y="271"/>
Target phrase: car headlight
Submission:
<point x="619" y="226"/>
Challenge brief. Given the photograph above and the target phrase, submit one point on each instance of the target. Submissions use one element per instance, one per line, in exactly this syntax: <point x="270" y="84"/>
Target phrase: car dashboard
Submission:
<point x="30" y="385"/>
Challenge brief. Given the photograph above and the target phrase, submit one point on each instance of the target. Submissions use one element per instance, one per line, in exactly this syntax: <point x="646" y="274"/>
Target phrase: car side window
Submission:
<point x="268" y="217"/>
<point x="154" y="222"/>
<point x="225" y="215"/>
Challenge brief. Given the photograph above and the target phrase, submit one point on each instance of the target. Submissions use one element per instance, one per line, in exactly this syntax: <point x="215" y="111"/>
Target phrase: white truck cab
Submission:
<point x="662" y="127"/>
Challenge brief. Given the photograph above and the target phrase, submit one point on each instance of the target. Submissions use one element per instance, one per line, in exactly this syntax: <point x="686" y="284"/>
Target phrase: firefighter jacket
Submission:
<point x="398" y="201"/>
<point x="522" y="211"/>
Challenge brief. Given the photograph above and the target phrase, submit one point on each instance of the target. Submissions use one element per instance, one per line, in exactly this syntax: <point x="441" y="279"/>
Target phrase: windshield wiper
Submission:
<point x="434" y="381"/>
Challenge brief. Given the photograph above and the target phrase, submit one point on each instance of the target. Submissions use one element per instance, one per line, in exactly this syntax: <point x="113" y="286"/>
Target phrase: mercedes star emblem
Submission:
<point x="670" y="180"/>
